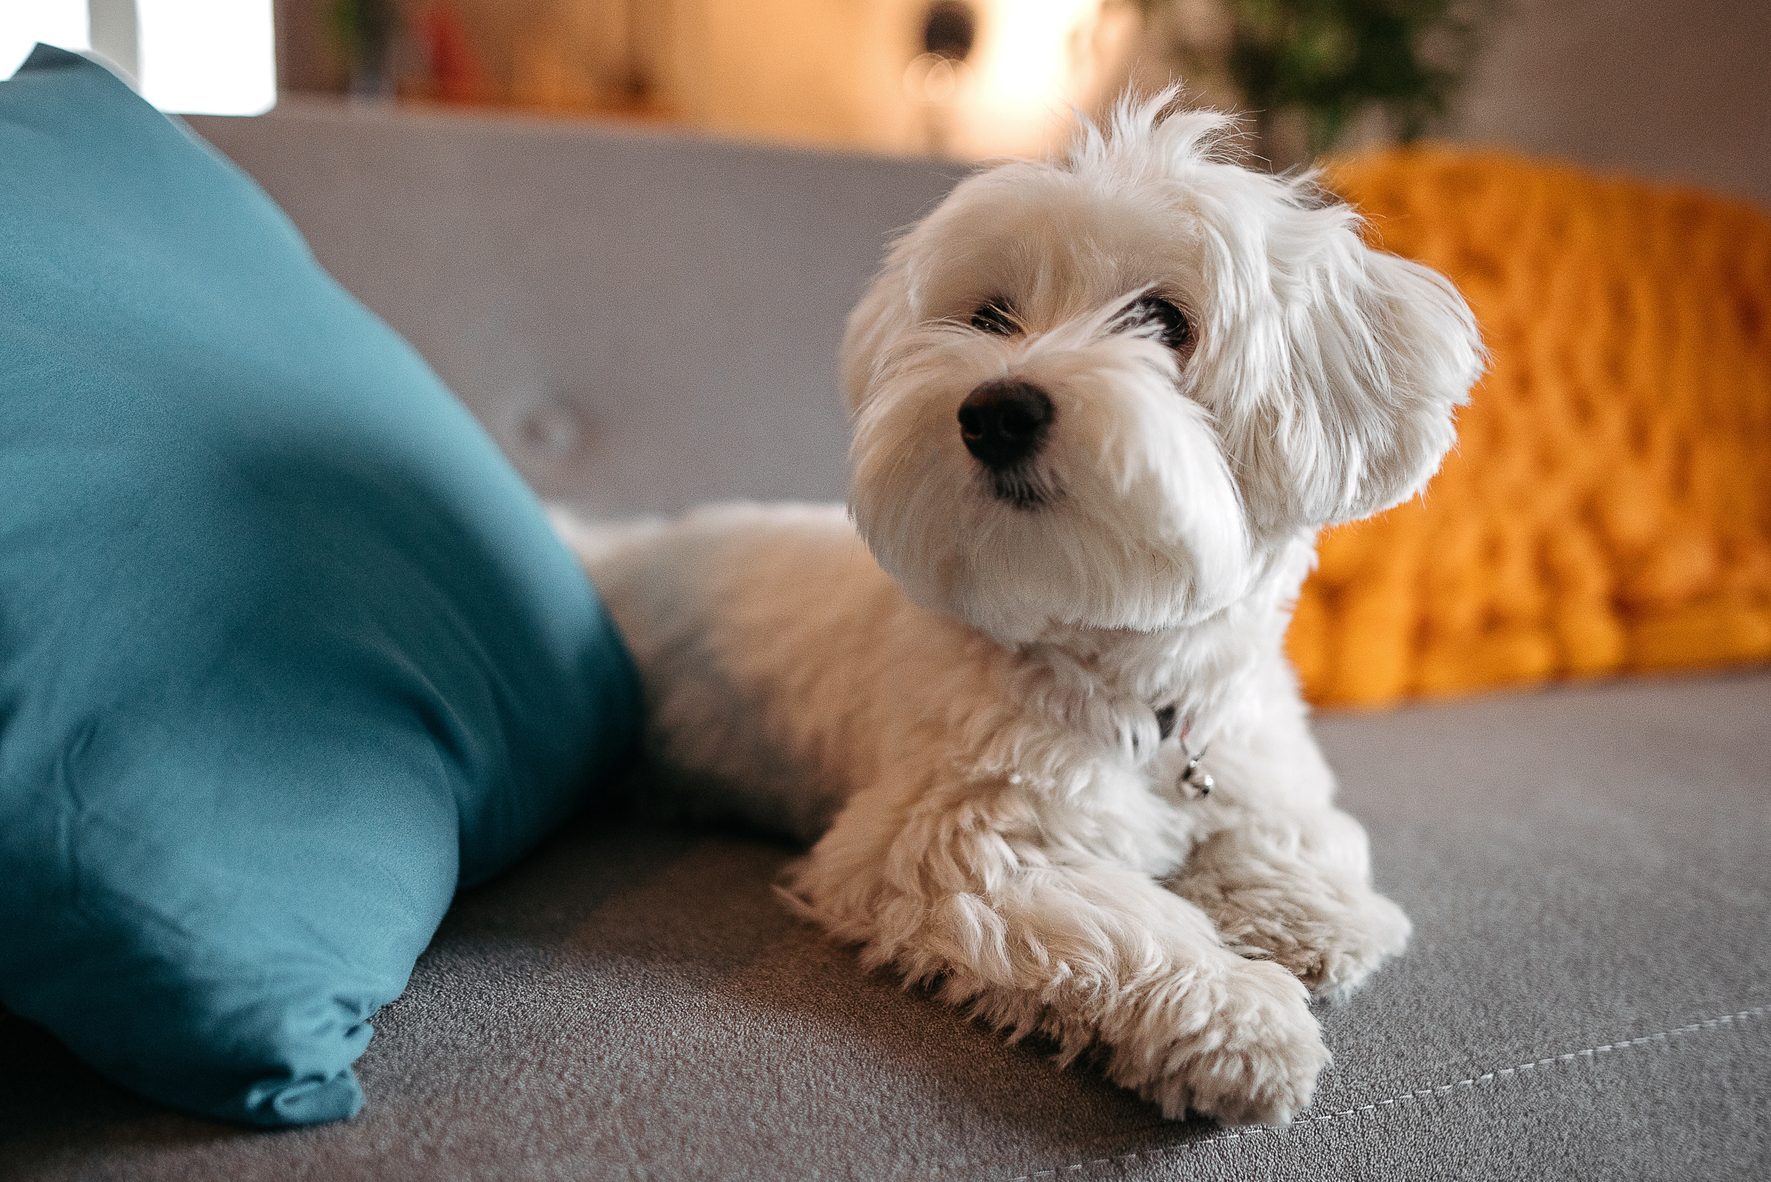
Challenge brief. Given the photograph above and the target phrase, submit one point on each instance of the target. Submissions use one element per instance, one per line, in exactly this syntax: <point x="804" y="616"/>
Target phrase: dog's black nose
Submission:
<point x="1004" y="422"/>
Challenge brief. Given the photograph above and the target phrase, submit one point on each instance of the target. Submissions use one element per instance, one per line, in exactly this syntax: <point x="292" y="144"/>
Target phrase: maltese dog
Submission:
<point x="1031" y="704"/>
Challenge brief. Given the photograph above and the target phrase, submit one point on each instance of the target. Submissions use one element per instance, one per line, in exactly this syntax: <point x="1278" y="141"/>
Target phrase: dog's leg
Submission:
<point x="1088" y="951"/>
<point x="1297" y="889"/>
<point x="1285" y="875"/>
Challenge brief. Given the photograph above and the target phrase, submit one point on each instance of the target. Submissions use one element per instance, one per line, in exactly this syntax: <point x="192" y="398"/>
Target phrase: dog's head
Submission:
<point x="1105" y="391"/>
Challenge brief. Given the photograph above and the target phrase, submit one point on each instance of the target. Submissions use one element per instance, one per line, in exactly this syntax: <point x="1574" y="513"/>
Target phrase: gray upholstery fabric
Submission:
<point x="1585" y="868"/>
<point x="1589" y="870"/>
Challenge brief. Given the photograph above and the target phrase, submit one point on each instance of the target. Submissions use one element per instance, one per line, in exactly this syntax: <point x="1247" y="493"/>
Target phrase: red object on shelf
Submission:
<point x="454" y="71"/>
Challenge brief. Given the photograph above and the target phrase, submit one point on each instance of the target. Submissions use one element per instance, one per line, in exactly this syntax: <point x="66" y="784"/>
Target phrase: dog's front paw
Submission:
<point x="1332" y="943"/>
<point x="1251" y="1056"/>
<point x="1353" y="942"/>
<point x="1330" y="937"/>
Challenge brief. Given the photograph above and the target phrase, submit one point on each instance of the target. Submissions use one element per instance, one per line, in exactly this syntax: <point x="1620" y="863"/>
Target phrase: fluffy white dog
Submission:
<point x="1036" y="711"/>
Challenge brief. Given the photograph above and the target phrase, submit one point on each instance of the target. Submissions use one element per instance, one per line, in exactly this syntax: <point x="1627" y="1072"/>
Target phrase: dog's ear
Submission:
<point x="871" y="325"/>
<point x="1382" y="350"/>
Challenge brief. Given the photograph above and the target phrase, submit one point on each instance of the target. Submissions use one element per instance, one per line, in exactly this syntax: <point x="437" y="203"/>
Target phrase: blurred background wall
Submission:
<point x="1668" y="90"/>
<point x="1672" y="90"/>
<point x="1677" y="90"/>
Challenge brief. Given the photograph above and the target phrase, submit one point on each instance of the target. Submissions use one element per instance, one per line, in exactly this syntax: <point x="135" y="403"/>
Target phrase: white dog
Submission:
<point x="1101" y="407"/>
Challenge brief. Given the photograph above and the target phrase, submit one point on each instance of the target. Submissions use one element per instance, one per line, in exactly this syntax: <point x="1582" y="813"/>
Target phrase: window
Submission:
<point x="213" y="57"/>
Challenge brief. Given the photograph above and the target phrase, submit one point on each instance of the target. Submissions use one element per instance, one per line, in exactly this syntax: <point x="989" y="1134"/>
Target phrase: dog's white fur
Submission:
<point x="957" y="702"/>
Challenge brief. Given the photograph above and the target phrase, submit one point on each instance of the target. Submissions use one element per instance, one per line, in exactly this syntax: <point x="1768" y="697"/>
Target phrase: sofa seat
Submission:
<point x="1588" y="995"/>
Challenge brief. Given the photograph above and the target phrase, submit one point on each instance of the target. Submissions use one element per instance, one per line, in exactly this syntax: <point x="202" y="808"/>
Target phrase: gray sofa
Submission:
<point x="646" y="323"/>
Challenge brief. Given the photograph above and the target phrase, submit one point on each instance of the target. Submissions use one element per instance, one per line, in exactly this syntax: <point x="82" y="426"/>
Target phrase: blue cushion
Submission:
<point x="287" y="649"/>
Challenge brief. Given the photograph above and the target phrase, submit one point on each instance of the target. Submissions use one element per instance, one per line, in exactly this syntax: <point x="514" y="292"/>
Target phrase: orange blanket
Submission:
<point x="1608" y="508"/>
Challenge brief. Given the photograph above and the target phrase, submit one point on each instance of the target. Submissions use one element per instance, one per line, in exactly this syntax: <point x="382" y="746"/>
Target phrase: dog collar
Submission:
<point x="1195" y="780"/>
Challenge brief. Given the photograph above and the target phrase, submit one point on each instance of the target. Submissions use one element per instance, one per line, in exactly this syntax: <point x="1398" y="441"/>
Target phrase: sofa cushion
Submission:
<point x="286" y="648"/>
<point x="1585" y="997"/>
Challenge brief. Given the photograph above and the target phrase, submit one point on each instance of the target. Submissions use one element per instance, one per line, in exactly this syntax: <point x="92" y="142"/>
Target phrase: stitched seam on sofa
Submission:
<point x="1586" y="1054"/>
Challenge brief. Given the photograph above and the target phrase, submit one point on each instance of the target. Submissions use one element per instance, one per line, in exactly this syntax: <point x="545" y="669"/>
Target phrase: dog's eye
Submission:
<point x="1172" y="324"/>
<point x="996" y="317"/>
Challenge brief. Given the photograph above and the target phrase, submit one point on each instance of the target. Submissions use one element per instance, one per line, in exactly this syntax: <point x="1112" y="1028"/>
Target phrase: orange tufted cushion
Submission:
<point x="1608" y="507"/>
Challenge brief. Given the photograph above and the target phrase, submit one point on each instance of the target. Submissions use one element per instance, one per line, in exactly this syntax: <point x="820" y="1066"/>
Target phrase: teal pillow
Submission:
<point x="287" y="649"/>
